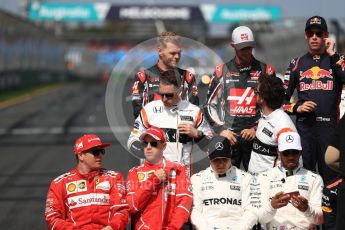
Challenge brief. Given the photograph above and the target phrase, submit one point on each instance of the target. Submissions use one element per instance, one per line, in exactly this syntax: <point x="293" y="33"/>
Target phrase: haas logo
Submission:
<point x="242" y="101"/>
<point x="244" y="37"/>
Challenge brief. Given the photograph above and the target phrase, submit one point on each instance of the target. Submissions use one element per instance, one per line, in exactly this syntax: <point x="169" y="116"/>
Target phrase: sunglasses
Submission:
<point x="312" y="33"/>
<point x="152" y="143"/>
<point x="96" y="152"/>
<point x="290" y="152"/>
<point x="167" y="95"/>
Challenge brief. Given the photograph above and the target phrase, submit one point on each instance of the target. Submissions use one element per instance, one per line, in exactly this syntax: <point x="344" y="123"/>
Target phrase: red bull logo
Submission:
<point x="316" y="74"/>
<point x="316" y="85"/>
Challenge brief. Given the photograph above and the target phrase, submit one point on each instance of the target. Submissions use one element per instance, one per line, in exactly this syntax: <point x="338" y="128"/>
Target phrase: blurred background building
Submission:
<point x="68" y="50"/>
<point x="87" y="39"/>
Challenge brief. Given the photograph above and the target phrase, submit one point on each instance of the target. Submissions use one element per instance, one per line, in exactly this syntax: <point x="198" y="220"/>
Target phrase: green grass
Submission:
<point x="11" y="94"/>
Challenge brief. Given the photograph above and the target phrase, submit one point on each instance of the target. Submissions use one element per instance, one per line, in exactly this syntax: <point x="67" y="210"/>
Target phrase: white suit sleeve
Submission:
<point x="266" y="211"/>
<point x="140" y="125"/>
<point x="197" y="218"/>
<point x="314" y="212"/>
<point x="202" y="125"/>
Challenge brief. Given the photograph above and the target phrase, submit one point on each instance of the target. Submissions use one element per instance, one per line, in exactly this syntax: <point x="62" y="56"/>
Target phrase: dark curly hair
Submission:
<point x="170" y="77"/>
<point x="271" y="89"/>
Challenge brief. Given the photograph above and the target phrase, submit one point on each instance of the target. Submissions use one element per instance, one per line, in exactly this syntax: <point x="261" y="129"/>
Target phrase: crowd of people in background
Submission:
<point x="244" y="122"/>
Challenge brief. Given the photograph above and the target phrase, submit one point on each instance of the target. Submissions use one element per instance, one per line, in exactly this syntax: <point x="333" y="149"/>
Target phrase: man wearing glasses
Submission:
<point x="182" y="122"/>
<point x="158" y="191"/>
<point x="146" y="82"/>
<point x="318" y="77"/>
<point x="290" y="194"/>
<point x="89" y="196"/>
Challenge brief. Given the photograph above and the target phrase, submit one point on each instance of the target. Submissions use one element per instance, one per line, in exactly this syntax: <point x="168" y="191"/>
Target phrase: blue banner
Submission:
<point x="68" y="12"/>
<point x="231" y="14"/>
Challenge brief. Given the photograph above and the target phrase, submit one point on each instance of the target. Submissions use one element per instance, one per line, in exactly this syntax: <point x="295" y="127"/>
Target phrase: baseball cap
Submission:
<point x="88" y="141"/>
<point x="289" y="141"/>
<point x="155" y="132"/>
<point x="219" y="147"/>
<point x="316" y="22"/>
<point x="243" y="37"/>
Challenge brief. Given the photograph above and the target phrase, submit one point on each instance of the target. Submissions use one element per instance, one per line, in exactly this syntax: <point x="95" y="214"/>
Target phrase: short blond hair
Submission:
<point x="166" y="37"/>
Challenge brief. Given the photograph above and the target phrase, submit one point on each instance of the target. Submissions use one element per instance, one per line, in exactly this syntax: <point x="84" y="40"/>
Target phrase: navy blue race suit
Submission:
<point x="146" y="83"/>
<point x="231" y="102"/>
<point x="317" y="78"/>
<point x="329" y="203"/>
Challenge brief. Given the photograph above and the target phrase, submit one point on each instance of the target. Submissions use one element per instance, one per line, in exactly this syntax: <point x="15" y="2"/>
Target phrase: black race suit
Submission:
<point x="231" y="102"/>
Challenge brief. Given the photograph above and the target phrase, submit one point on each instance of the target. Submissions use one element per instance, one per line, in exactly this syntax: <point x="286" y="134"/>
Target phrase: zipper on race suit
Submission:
<point x="163" y="195"/>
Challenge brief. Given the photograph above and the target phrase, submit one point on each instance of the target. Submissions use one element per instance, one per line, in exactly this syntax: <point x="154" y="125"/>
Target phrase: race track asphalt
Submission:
<point x="36" y="145"/>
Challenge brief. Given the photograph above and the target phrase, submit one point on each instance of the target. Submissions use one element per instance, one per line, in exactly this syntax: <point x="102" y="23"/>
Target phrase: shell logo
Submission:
<point x="71" y="187"/>
<point x="141" y="176"/>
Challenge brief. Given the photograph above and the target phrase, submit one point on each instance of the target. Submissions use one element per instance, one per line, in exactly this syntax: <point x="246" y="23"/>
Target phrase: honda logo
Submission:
<point x="158" y="109"/>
